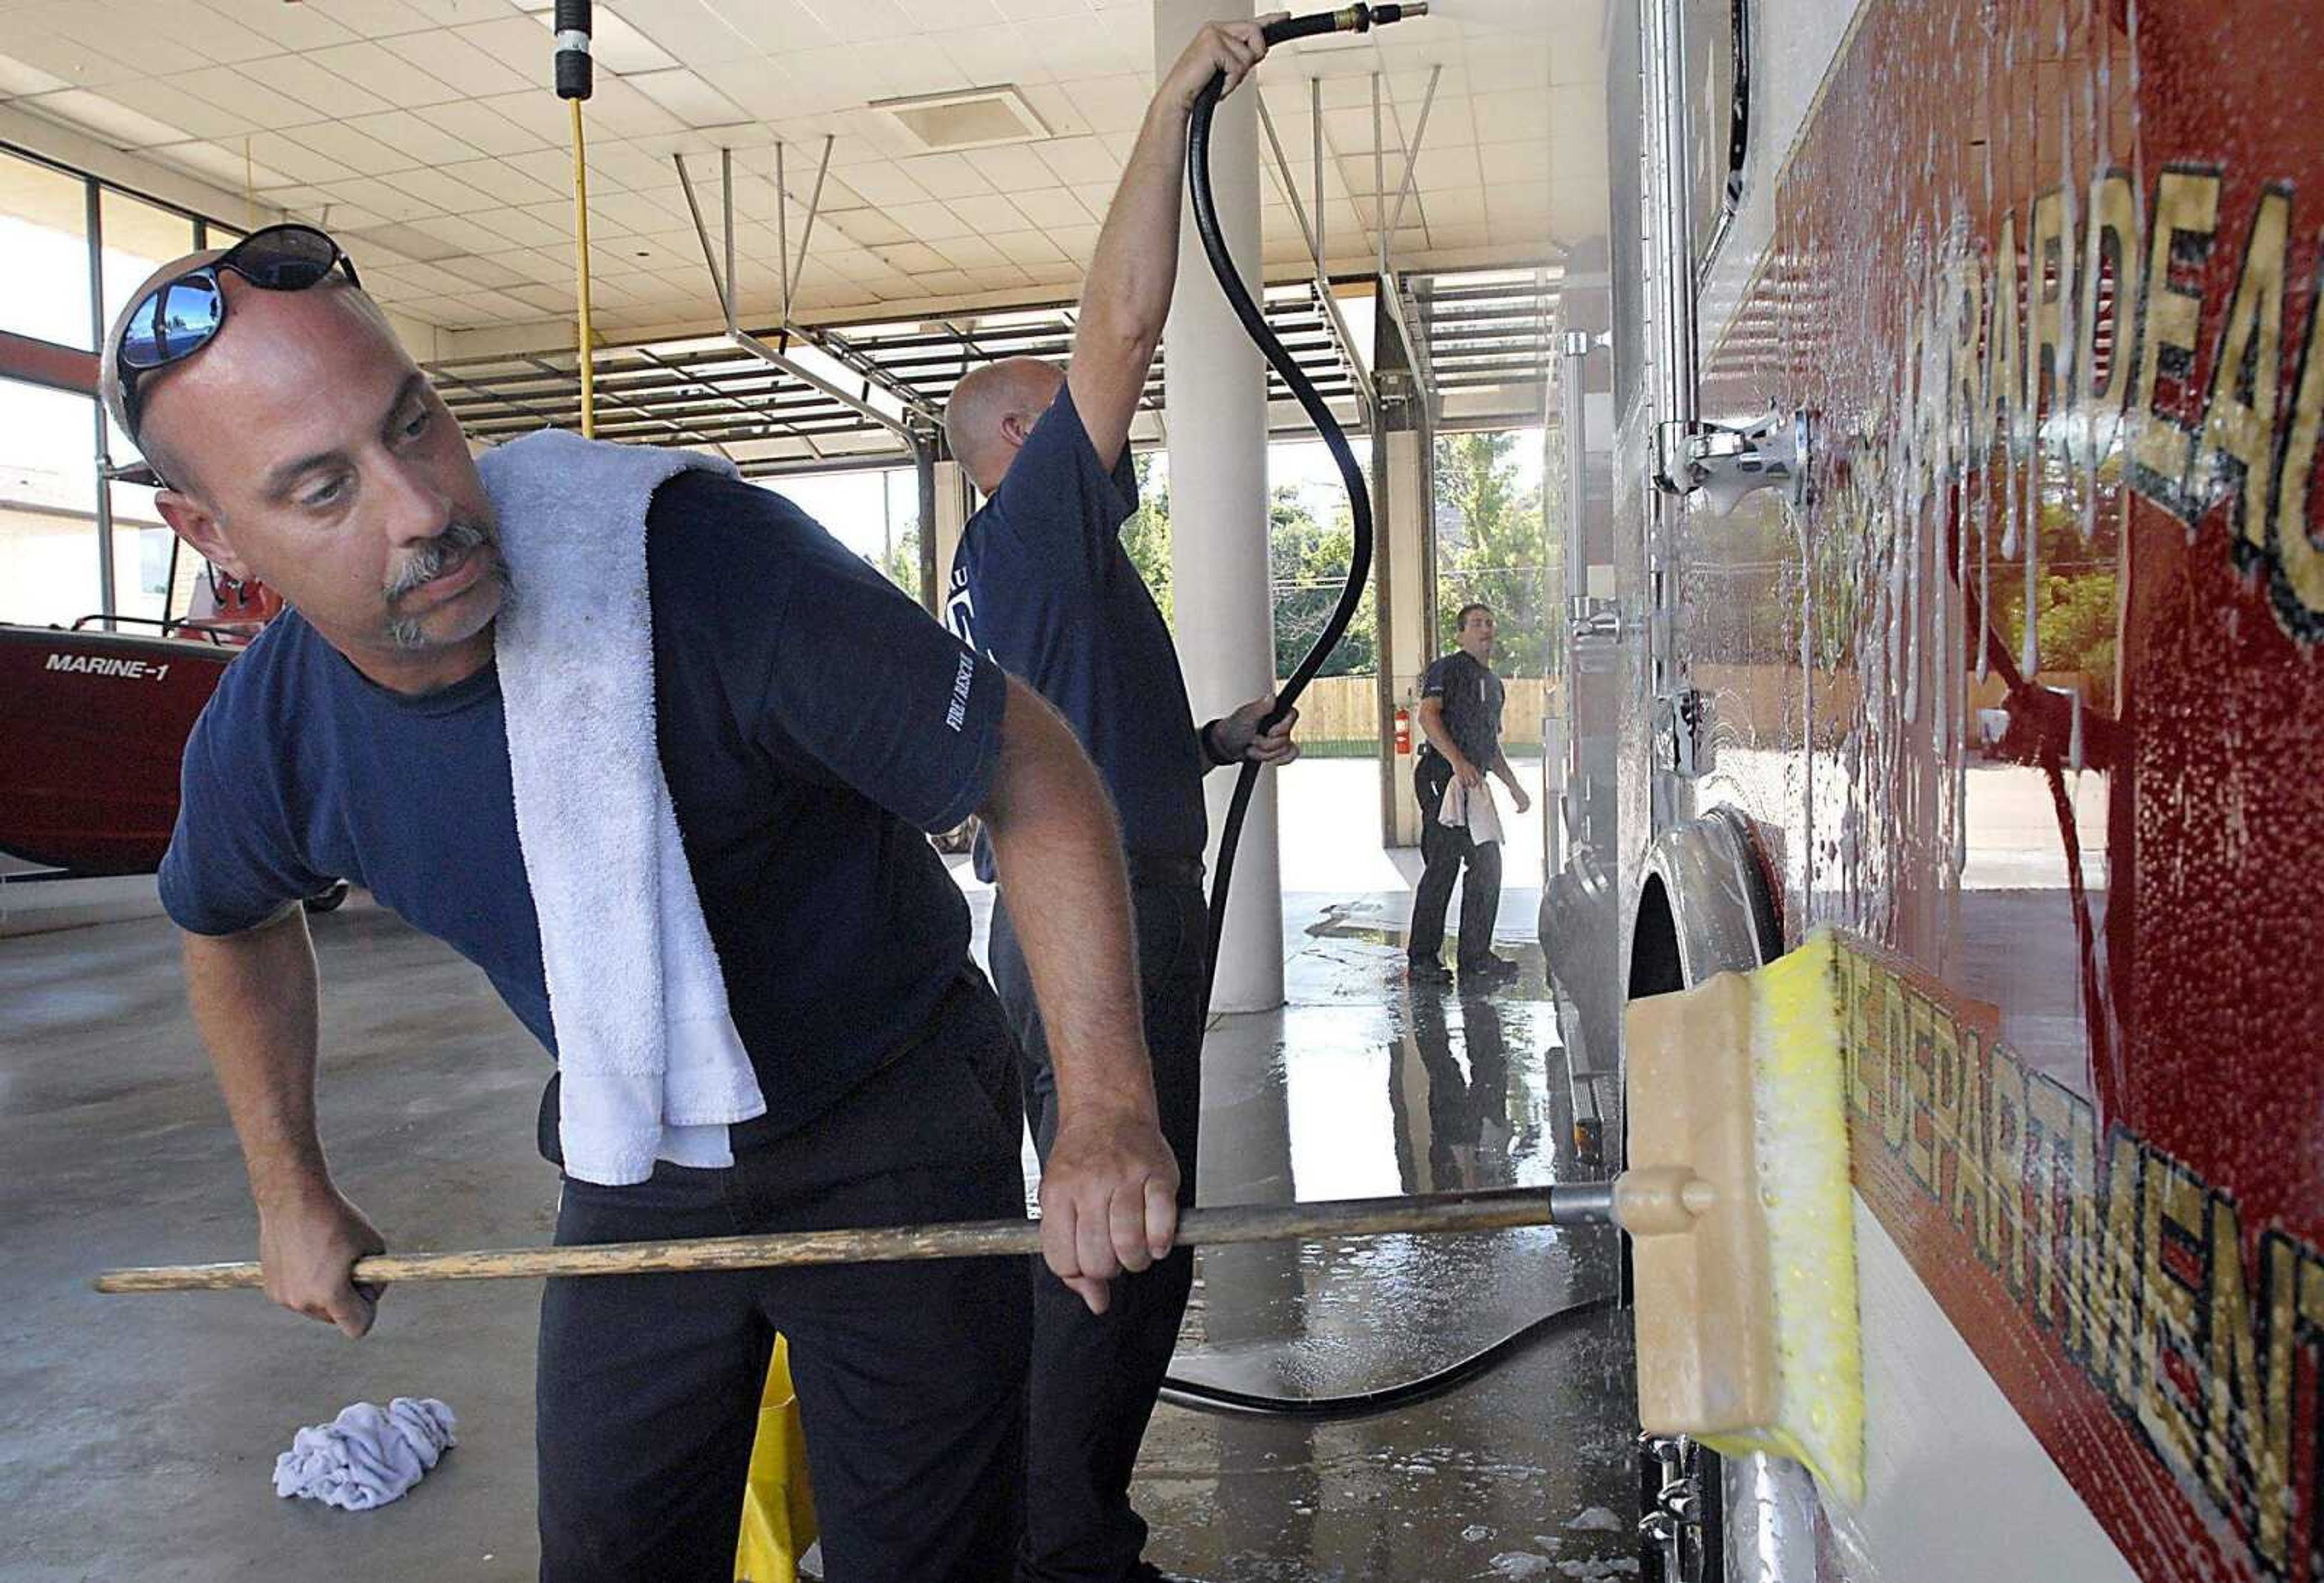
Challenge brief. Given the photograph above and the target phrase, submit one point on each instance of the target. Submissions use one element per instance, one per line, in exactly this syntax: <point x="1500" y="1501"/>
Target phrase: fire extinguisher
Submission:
<point x="1403" y="731"/>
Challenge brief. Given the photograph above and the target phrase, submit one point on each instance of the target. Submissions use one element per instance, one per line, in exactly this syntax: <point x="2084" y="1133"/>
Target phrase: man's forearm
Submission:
<point x="1058" y="855"/>
<point x="254" y="999"/>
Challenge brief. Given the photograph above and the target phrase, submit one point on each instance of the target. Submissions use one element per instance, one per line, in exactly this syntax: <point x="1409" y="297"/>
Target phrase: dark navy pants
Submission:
<point x="1095" y="1376"/>
<point x="910" y="1376"/>
<point x="1443" y="849"/>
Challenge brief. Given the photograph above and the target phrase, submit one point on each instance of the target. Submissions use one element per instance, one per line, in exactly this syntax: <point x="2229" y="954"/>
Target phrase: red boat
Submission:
<point x="96" y="722"/>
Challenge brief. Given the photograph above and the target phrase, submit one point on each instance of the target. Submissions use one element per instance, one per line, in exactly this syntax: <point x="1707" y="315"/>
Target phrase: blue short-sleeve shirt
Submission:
<point x="809" y="716"/>
<point x="1042" y="584"/>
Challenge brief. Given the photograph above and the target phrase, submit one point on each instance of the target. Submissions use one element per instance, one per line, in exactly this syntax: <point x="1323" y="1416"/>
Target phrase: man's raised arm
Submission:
<point x="1126" y="299"/>
<point x="1110" y="1190"/>
<point x="255" y="998"/>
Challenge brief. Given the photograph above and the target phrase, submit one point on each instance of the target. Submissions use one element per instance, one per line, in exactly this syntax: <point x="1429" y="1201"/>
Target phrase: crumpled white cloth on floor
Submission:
<point x="1473" y="811"/>
<point x="368" y="1455"/>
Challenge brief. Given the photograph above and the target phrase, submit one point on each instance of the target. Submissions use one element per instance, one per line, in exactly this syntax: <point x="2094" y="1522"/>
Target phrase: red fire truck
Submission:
<point x="1948" y="573"/>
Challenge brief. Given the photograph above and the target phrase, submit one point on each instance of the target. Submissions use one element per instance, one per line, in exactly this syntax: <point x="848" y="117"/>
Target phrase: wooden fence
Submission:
<point x="1339" y="716"/>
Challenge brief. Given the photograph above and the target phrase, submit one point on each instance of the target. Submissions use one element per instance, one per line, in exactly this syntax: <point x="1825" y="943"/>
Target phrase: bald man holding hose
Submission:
<point x="1041" y="583"/>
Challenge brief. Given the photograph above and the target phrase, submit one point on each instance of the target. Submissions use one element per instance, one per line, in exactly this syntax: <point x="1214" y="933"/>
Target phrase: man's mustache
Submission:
<point x="442" y="553"/>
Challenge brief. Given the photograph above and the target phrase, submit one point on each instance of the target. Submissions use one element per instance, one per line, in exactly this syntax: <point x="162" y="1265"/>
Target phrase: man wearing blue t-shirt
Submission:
<point x="1459" y="714"/>
<point x="1041" y="583"/>
<point x="807" y="717"/>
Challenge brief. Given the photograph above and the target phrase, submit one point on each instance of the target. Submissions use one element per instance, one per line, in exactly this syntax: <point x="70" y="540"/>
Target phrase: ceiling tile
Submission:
<point x="107" y="119"/>
<point x="914" y="258"/>
<point x="985" y="56"/>
<point x="18" y="78"/>
<point x="386" y="74"/>
<point x="453" y="60"/>
<point x="366" y="156"/>
<point x="1027" y="247"/>
<point x="556" y="216"/>
<point x="1508" y="117"/>
<point x="947" y="175"/>
<point x="1079" y="159"/>
<point x="423" y="140"/>
<point x="866" y="21"/>
<point x="1077" y="241"/>
<point x="287" y="27"/>
<point x="685" y="95"/>
<point x="223" y="165"/>
<point x="694" y="34"/>
<point x="621" y="111"/>
<point x="988" y="212"/>
<point x="929" y="221"/>
<point x="885" y="184"/>
<point x="773" y="27"/>
<point x="460" y="233"/>
<point x="1011" y="168"/>
<point x="930" y="15"/>
<point x="1514" y="163"/>
<point x="184" y="30"/>
<point x="501" y="180"/>
<point x="1111" y="104"/>
<point x="867" y="227"/>
<point x="542" y="115"/>
<point x="1040" y="10"/>
<point x="761" y="88"/>
<point x="372" y="192"/>
<point x="526" y="44"/>
<point x="257" y="105"/>
<point x="971" y="252"/>
<point x="69" y="60"/>
<point x="297" y="159"/>
<point x="324" y="91"/>
<point x="1051" y="206"/>
<point x="376" y="19"/>
<point x="479" y="126"/>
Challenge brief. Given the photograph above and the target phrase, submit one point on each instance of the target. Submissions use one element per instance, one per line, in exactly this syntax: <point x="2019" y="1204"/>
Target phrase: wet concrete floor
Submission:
<point x="140" y="1432"/>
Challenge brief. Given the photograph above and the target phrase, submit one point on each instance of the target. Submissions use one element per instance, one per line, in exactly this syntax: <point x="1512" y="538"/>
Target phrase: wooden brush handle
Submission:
<point x="1363" y="1217"/>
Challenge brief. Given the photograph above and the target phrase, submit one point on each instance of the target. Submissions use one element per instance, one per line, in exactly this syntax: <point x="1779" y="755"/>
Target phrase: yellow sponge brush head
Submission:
<point x="1746" y="1312"/>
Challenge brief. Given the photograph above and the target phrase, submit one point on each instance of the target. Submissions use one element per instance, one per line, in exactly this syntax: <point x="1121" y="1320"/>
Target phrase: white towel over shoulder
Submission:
<point x="651" y="1065"/>
<point x="1473" y="811"/>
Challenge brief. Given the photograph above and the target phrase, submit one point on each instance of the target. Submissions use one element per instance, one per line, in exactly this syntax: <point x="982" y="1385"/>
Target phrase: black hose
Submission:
<point x="1360" y="505"/>
<point x="1219" y="1399"/>
<point x="1192" y="1393"/>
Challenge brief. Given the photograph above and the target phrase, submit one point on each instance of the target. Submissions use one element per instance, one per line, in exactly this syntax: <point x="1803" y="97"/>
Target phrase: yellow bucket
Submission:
<point x="778" y="1502"/>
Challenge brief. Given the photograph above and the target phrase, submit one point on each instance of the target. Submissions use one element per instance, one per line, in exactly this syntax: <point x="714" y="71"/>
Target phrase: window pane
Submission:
<point x="48" y="505"/>
<point x="44" y="252"/>
<point x="141" y="557"/>
<point x="139" y="238"/>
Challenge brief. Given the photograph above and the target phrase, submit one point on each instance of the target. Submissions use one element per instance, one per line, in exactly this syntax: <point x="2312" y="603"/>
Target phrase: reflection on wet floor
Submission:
<point x="1362" y="1085"/>
<point x="173" y="1408"/>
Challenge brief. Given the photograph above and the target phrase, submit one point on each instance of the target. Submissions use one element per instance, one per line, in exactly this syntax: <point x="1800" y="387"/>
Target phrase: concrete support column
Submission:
<point x="1407" y="544"/>
<point x="1215" y="395"/>
<point x="951" y="512"/>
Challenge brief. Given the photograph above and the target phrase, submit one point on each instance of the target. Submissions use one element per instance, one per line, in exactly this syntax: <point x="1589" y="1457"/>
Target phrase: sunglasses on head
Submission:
<point x="181" y="316"/>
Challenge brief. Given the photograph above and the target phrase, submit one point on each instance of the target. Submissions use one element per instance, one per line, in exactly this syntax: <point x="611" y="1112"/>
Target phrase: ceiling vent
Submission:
<point x="976" y="118"/>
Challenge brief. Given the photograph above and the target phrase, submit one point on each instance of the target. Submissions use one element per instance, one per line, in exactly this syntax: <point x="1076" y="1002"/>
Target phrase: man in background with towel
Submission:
<point x="808" y="716"/>
<point x="1041" y="583"/>
<point x="1461" y="714"/>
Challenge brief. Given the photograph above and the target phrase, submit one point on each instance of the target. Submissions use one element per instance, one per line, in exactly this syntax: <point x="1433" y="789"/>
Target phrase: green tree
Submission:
<point x="1308" y="567"/>
<point x="902" y="564"/>
<point x="1492" y="548"/>
<point x="1146" y="537"/>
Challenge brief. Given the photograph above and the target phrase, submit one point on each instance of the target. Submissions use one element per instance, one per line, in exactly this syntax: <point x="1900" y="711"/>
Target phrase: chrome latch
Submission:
<point x="1588" y="616"/>
<point x="1727" y="461"/>
<point x="1683" y="735"/>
